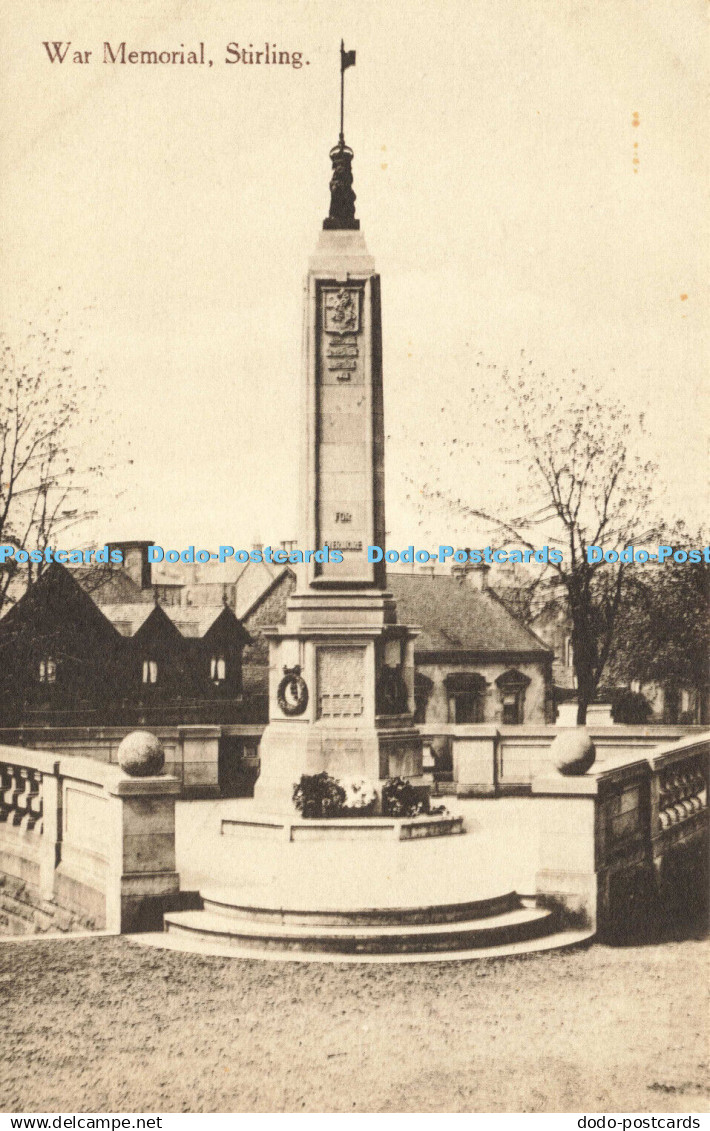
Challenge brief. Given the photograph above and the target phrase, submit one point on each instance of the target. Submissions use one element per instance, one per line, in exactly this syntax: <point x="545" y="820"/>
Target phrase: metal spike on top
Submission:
<point x="342" y="196"/>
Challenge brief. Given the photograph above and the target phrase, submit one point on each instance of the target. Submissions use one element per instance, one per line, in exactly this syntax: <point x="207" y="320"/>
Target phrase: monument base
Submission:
<point x="341" y="695"/>
<point x="378" y="887"/>
<point x="289" y="749"/>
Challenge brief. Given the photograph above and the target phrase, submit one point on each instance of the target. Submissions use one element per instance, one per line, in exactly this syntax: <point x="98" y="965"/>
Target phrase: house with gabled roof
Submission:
<point x="65" y="660"/>
<point x="58" y="652"/>
<point x="475" y="662"/>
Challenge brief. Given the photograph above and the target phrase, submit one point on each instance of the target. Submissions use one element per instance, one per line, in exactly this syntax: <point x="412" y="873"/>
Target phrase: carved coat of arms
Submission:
<point x="342" y="311"/>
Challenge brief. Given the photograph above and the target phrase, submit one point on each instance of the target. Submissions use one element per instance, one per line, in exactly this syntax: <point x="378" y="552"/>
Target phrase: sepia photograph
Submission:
<point x="354" y="561"/>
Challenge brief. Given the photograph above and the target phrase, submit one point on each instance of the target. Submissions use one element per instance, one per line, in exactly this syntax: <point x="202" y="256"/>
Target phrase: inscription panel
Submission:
<point x="342" y="518"/>
<point x="341" y="678"/>
<point x="344" y="463"/>
<point x="347" y="545"/>
<point x="341" y="360"/>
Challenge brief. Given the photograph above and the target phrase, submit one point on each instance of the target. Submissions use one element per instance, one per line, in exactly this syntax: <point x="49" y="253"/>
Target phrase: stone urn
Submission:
<point x="140" y="754"/>
<point x="572" y="752"/>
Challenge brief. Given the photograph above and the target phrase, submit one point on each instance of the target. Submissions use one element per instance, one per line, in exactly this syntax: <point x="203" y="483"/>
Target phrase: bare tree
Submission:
<point x="45" y="479"/>
<point x="568" y="478"/>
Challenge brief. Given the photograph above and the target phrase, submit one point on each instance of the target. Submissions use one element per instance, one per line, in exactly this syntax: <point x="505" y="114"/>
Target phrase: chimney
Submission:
<point x="475" y="576"/>
<point x="135" y="561"/>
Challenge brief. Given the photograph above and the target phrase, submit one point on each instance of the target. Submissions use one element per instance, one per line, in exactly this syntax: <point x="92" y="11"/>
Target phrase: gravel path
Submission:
<point x="102" y="1025"/>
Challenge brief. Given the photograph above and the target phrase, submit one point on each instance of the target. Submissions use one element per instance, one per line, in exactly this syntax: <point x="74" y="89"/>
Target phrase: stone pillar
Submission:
<point x="474" y="758"/>
<point x="410" y="672"/>
<point x="567" y="861"/>
<point x="141" y="880"/>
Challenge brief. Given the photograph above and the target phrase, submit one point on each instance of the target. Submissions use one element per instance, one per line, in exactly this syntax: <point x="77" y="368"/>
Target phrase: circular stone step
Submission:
<point x="192" y="944"/>
<point x="226" y="903"/>
<point x="489" y="931"/>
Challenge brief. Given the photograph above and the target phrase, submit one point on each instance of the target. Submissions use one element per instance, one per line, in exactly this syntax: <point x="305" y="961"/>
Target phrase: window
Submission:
<point x="47" y="670"/>
<point x="512" y="708"/>
<point x="218" y="669"/>
<point x="465" y="707"/>
<point x="466" y="694"/>
<point x="512" y="686"/>
<point x="150" y="671"/>
<point x="423" y="687"/>
<point x="672" y="711"/>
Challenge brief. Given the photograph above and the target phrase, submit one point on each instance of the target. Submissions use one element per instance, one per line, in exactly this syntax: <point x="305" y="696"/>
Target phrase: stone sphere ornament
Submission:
<point x="141" y="755"/>
<point x="572" y="752"/>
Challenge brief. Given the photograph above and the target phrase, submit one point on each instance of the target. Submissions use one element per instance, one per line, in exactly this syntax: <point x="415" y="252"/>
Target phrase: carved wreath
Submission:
<point x="292" y="692"/>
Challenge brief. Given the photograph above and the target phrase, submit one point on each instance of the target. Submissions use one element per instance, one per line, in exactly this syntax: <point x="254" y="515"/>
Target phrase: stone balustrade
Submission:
<point x="21" y="796"/>
<point x="85" y="838"/>
<point x="624" y="846"/>
<point x="682" y="791"/>
<point x="488" y="760"/>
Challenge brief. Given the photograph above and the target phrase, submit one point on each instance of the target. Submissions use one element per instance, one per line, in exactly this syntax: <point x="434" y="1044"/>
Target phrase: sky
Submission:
<point x="530" y="175"/>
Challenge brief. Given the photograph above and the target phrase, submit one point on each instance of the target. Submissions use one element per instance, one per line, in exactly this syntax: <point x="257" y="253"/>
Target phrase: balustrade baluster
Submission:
<point x="33" y="817"/>
<point x="682" y="792"/>
<point x="12" y="794"/>
<point x="5" y="787"/>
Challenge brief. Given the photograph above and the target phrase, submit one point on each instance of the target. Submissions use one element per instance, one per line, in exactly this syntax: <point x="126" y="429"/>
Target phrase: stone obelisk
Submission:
<point x="341" y="691"/>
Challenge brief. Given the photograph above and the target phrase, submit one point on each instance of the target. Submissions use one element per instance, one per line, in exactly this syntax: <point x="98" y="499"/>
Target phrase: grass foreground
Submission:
<point x="104" y="1025"/>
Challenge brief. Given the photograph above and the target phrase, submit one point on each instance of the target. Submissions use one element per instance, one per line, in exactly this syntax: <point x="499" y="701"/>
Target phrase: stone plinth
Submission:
<point x="350" y="828"/>
<point x="474" y="757"/>
<point x="141" y="881"/>
<point x="567" y="871"/>
<point x="355" y="716"/>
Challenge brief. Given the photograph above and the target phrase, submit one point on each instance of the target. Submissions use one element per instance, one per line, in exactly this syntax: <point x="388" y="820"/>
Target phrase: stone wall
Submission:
<point x="625" y="848"/>
<point x="494" y="759"/>
<point x="23" y="911"/>
<point x="83" y="844"/>
<point x="191" y="752"/>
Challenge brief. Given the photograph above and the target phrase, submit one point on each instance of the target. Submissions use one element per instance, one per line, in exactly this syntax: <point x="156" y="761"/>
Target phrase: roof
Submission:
<point x="55" y="595"/>
<point x="190" y="620"/>
<point x="109" y="584"/>
<point x="249" y="600"/>
<point x="127" y="617"/>
<point x="454" y="617"/>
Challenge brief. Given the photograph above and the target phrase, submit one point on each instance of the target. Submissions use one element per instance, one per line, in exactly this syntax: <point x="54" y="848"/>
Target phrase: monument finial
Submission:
<point x="342" y="196"/>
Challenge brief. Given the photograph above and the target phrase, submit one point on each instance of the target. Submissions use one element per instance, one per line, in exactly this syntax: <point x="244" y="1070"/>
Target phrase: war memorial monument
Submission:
<point x="601" y="841"/>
